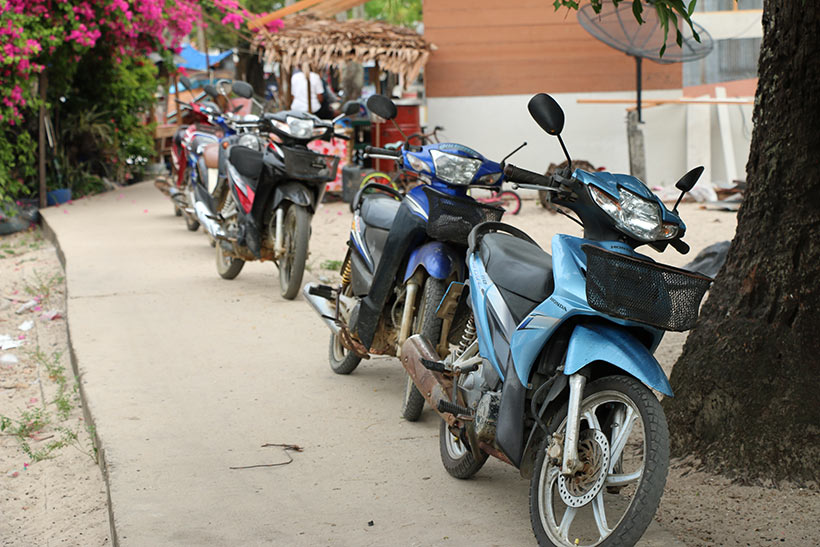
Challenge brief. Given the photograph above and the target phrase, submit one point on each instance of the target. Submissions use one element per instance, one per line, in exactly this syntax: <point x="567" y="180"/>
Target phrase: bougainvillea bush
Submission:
<point x="100" y="82"/>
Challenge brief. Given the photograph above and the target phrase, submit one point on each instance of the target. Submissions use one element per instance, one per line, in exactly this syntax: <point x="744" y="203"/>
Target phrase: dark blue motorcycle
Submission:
<point x="555" y="372"/>
<point x="403" y="254"/>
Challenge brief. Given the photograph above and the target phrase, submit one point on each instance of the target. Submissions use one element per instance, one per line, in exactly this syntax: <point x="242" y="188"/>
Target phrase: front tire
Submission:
<point x="624" y="445"/>
<point x="292" y="265"/>
<point x="429" y="326"/>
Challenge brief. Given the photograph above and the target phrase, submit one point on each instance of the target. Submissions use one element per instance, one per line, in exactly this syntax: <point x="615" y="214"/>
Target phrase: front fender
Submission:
<point x="293" y="192"/>
<point x="614" y="345"/>
<point x="438" y="259"/>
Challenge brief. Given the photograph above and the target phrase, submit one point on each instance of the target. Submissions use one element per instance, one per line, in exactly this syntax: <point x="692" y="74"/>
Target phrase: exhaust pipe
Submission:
<point x="322" y="307"/>
<point x="432" y="385"/>
<point x="203" y="215"/>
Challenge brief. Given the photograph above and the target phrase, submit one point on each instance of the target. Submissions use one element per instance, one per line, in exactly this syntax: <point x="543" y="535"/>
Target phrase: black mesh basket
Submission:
<point x="309" y="166"/>
<point x="643" y="291"/>
<point x="451" y="218"/>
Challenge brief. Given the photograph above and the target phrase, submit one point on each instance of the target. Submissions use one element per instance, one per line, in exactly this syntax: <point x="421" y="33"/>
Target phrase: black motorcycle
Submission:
<point x="275" y="184"/>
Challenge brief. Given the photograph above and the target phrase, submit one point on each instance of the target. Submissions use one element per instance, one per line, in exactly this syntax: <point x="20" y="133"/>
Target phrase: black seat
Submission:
<point x="520" y="269"/>
<point x="379" y="210"/>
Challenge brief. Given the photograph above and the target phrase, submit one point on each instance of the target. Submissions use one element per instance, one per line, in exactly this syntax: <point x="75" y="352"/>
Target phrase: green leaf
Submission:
<point x="637" y="9"/>
<point x="692" y="7"/>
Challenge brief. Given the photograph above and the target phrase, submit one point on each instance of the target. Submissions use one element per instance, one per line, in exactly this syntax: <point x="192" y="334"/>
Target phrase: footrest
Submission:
<point x="435" y="366"/>
<point x="453" y="408"/>
<point x="324" y="291"/>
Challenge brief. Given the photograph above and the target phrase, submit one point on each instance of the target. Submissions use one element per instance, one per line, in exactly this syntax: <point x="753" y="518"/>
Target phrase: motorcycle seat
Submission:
<point x="201" y="140"/>
<point x="379" y="210"/>
<point x="521" y="270"/>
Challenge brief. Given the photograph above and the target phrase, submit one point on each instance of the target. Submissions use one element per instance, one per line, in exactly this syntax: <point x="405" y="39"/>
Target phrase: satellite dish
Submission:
<point x="617" y="27"/>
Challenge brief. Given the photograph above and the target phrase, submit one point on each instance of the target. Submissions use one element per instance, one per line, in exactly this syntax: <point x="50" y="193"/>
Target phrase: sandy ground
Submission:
<point x="59" y="500"/>
<point x="62" y="500"/>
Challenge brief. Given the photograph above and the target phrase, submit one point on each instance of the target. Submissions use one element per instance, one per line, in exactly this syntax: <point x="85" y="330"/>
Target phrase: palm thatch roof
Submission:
<point x="307" y="42"/>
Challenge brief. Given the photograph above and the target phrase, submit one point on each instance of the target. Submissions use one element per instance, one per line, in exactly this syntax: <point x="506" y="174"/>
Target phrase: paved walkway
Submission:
<point x="187" y="375"/>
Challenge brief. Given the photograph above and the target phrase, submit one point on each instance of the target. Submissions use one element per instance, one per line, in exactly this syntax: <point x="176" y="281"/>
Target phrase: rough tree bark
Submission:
<point x="747" y="384"/>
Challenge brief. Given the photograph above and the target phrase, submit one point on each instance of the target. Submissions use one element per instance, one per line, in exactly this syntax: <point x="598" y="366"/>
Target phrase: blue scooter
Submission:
<point x="555" y="369"/>
<point x="403" y="253"/>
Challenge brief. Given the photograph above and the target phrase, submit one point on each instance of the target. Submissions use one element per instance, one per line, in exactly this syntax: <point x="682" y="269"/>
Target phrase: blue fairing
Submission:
<point x="567" y="301"/>
<point x="610" y="182"/>
<point x="599" y="342"/>
<point x="440" y="261"/>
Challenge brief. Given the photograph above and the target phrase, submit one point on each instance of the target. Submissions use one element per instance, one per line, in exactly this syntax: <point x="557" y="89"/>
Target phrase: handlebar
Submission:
<point x="373" y="150"/>
<point x="516" y="174"/>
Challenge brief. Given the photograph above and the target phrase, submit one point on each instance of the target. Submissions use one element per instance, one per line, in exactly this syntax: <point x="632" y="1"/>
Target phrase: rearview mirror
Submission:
<point x="210" y="90"/>
<point x="688" y="181"/>
<point x="382" y="106"/>
<point x="243" y="89"/>
<point x="186" y="82"/>
<point x="350" y="108"/>
<point x="547" y="113"/>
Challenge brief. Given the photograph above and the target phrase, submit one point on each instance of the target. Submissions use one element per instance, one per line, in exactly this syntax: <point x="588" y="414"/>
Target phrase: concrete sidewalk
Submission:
<point x="186" y="375"/>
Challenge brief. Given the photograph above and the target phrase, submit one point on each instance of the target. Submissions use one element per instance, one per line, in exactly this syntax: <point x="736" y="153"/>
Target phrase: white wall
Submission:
<point x="495" y="125"/>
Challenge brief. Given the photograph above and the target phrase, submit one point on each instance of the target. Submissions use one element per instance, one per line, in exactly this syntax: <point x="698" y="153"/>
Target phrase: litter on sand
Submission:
<point x="51" y="315"/>
<point x="7" y="342"/>
<point x="27" y="306"/>
<point x="26" y="325"/>
<point x="9" y="359"/>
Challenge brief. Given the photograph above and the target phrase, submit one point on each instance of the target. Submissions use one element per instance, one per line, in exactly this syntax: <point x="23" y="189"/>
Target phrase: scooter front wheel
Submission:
<point x="623" y="445"/>
<point x="296" y="230"/>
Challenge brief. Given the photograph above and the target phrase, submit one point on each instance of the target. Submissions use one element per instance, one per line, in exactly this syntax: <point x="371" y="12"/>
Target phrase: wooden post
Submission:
<point x="42" y="137"/>
<point x="309" y="99"/>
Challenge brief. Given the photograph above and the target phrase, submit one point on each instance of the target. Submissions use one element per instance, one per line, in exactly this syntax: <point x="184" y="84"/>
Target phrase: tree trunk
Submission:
<point x="746" y="384"/>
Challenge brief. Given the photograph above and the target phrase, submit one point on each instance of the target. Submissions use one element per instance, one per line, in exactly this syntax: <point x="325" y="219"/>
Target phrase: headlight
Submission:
<point x="417" y="164"/>
<point x="297" y="127"/>
<point x="454" y="169"/>
<point x="634" y="215"/>
<point x="250" y="140"/>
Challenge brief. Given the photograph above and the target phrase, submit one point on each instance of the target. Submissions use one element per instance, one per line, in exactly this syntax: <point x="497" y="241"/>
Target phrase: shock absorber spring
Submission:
<point x="346" y="274"/>
<point x="467" y="338"/>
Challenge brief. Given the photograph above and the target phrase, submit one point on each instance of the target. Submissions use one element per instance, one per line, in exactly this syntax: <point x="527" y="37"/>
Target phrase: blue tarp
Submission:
<point x="193" y="59"/>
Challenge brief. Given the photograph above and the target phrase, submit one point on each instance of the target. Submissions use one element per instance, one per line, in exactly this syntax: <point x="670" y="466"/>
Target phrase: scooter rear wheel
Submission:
<point x="227" y="267"/>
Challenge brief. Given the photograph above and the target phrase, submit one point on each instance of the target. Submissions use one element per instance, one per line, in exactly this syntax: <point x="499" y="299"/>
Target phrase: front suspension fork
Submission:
<point x="570" y="463"/>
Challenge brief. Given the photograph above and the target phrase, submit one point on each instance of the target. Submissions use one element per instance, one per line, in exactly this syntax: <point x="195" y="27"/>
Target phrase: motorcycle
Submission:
<point x="197" y="126"/>
<point x="275" y="183"/>
<point x="555" y="370"/>
<point x="403" y="253"/>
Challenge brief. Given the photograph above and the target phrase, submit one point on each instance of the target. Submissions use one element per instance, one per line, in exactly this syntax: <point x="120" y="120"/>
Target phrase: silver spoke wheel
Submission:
<point x="455" y="448"/>
<point x="624" y="452"/>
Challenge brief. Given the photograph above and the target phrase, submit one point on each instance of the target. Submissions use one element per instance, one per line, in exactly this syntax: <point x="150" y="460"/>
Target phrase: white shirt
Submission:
<point x="298" y="88"/>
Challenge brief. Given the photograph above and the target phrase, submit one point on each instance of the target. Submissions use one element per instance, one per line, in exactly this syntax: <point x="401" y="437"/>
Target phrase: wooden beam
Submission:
<point x="278" y="14"/>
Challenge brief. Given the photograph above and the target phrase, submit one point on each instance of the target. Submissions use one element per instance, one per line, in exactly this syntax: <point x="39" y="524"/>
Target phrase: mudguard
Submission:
<point x="600" y="342"/>
<point x="293" y="192"/>
<point x="438" y="259"/>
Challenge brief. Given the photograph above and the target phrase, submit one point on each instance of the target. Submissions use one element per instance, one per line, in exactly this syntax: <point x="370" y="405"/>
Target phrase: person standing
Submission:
<point x="299" y="90"/>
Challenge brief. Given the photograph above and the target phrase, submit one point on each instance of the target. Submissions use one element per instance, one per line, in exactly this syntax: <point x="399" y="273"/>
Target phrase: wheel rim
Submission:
<point x="225" y="261"/>
<point x="455" y="448"/>
<point x="339" y="351"/>
<point x="601" y="493"/>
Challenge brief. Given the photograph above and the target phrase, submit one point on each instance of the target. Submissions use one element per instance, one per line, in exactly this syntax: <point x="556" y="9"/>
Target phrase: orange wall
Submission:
<point x="488" y="47"/>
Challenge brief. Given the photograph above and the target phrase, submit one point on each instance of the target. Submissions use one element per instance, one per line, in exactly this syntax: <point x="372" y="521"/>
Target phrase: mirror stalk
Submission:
<point x="564" y="148"/>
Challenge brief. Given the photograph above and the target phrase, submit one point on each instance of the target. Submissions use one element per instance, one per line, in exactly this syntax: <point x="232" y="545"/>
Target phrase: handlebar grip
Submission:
<point x="680" y="246"/>
<point x="382" y="151"/>
<point x="516" y="174"/>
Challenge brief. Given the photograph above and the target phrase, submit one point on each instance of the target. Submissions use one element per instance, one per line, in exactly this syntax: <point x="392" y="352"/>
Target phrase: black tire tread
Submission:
<point x="463" y="468"/>
<point x="650" y="489"/>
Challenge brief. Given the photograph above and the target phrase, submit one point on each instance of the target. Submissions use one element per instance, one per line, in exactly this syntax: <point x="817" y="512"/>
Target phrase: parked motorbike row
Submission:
<point x="542" y="361"/>
<point x="251" y="181"/>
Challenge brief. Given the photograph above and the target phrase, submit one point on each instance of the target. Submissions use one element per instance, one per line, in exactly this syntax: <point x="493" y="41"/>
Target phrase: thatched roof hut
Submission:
<point x="307" y="42"/>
